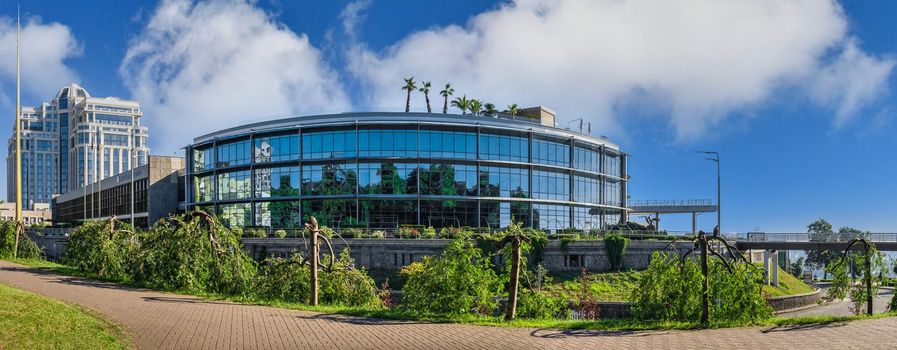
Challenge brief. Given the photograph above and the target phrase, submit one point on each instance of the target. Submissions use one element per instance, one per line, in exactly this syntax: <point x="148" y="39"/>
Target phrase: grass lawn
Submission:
<point x="605" y="286"/>
<point x="31" y="321"/>
<point x="788" y="285"/>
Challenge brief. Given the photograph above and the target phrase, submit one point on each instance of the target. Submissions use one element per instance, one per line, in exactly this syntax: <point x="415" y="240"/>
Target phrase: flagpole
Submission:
<point x="19" y="223"/>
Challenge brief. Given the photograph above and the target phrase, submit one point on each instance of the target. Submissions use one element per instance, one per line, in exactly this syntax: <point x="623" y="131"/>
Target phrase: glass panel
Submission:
<point x="551" y="152"/>
<point x="448" y="213"/>
<point x="203" y="188"/>
<point x="448" y="179"/>
<point x="233" y="154"/>
<point x="586" y="159"/>
<point x="203" y="159"/>
<point x="329" y="179"/>
<point x="611" y="217"/>
<point x="585" y="189"/>
<point x="612" y="164"/>
<point x="586" y="218"/>
<point x="330" y="212"/>
<point x="387" y="143"/>
<point x="277" y="182"/>
<point x="328" y="144"/>
<point x="504" y="182"/>
<point x="278" y="214"/>
<point x="551" y="217"/>
<point x="235" y="215"/>
<point x="612" y="192"/>
<point x="497" y="215"/>
<point x="234" y="185"/>
<point x="387" y="214"/>
<point x="387" y="178"/>
<point x="448" y="144"/>
<point x="551" y="185"/>
<point x="504" y="147"/>
<point x="276" y="148"/>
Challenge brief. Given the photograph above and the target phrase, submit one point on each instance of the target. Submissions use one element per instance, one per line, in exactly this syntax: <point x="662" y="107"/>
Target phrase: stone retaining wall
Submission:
<point x="789" y="302"/>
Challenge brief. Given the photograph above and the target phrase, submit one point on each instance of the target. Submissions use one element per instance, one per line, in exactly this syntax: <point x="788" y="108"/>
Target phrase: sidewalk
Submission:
<point x="158" y="320"/>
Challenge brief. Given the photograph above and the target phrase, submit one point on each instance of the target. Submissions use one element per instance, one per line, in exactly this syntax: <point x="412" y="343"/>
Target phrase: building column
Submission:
<point x="694" y="223"/>
<point x="775" y="268"/>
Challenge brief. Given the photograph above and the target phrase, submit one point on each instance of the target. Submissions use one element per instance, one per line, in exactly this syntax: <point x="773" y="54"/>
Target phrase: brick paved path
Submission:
<point x="163" y="321"/>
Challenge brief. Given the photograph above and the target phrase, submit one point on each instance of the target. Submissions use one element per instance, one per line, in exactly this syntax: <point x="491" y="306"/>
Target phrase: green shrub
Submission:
<point x="352" y="232"/>
<point x="280" y="233"/>
<point x="378" y="234"/>
<point x="429" y="232"/>
<point x="27" y="249"/>
<point x="459" y="281"/>
<point x="671" y="291"/>
<point x="615" y="245"/>
<point x="539" y="305"/>
<point x="94" y="248"/>
<point x="289" y="280"/>
<point x="179" y="254"/>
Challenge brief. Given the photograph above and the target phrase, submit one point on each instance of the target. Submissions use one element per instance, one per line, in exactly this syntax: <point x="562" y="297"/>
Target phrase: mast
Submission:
<point x="18" y="138"/>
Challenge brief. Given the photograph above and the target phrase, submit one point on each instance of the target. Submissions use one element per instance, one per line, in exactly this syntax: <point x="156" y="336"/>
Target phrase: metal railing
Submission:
<point x="670" y="203"/>
<point x="813" y="237"/>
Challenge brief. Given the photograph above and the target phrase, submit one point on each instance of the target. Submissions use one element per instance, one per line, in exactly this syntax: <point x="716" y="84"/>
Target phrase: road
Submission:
<point x="157" y="320"/>
<point x="842" y="307"/>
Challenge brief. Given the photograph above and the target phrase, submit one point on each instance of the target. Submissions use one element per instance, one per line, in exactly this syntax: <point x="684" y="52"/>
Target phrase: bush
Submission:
<point x="615" y="245"/>
<point x="27" y="249"/>
<point x="378" y="234"/>
<point x="94" y="248"/>
<point x="352" y="232"/>
<point x="182" y="254"/>
<point x="538" y="305"/>
<point x="429" y="232"/>
<point x="290" y="280"/>
<point x="280" y="233"/>
<point x="671" y="291"/>
<point x="458" y="281"/>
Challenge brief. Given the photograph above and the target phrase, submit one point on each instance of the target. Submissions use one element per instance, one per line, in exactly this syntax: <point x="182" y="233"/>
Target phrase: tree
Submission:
<point x="512" y="109"/>
<point x="425" y="88"/>
<point x="448" y="91"/>
<point x="516" y="238"/>
<point x="797" y="267"/>
<point x="461" y="103"/>
<point x="489" y="109"/>
<point x="410" y="86"/>
<point x="475" y="107"/>
<point x="820" y="231"/>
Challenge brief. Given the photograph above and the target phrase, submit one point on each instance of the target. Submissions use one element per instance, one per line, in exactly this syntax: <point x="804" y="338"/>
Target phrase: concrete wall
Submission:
<point x="392" y="254"/>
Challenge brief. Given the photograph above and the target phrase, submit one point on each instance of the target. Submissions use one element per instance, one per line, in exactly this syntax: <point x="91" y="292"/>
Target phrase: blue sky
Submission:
<point x="797" y="96"/>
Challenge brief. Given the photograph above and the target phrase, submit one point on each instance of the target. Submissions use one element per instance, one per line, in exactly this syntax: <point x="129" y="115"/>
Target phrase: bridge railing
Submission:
<point x="812" y="237"/>
<point x="670" y="203"/>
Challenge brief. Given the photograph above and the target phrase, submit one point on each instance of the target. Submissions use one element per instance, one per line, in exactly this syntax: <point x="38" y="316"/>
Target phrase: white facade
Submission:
<point x="95" y="138"/>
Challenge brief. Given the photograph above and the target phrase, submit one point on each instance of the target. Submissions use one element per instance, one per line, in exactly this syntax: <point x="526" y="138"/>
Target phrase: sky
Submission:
<point x="799" y="97"/>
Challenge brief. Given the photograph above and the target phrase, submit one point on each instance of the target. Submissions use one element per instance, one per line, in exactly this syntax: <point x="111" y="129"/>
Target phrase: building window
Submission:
<point x="328" y="179"/>
<point x="333" y="213"/>
<point x="448" y="179"/>
<point x="277" y="182"/>
<point x="586" y="158"/>
<point x="587" y="218"/>
<point x="387" y="178"/>
<point x="203" y="160"/>
<point x="612" y="164"/>
<point x="387" y="214"/>
<point x="551" y="217"/>
<point x="328" y="144"/>
<point x="234" y="185"/>
<point x="504" y="147"/>
<point x="612" y="192"/>
<point x="504" y="182"/>
<point x="448" y="144"/>
<point x="497" y="215"/>
<point x="551" y="151"/>
<point x="551" y="185"/>
<point x="286" y="214"/>
<point x="235" y="215"/>
<point x="585" y="189"/>
<point x="276" y="148"/>
<point x="387" y="143"/>
<point x="448" y="213"/>
<point x="233" y="154"/>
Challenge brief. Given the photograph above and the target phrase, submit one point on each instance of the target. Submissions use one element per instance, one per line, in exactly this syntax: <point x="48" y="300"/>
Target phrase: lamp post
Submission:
<point x="714" y="156"/>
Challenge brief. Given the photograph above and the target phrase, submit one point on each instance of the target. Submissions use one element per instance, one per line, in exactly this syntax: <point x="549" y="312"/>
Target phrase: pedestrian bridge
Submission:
<point x="812" y="241"/>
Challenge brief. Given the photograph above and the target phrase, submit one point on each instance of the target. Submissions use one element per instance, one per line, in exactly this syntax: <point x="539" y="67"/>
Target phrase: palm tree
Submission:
<point x="512" y="109"/>
<point x="425" y="88"/>
<point x="448" y="91"/>
<point x="489" y="109"/>
<point x="475" y="107"/>
<point x="461" y="103"/>
<point x="409" y="86"/>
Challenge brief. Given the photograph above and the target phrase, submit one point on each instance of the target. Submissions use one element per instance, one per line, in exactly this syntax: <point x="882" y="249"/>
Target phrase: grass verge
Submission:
<point x="497" y="321"/>
<point x="31" y="321"/>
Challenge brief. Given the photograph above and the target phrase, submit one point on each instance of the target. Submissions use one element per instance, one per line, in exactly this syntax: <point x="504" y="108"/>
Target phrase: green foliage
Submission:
<point x="841" y="286"/>
<point x="797" y="268"/>
<point x="27" y="248"/>
<point x="280" y="233"/>
<point x="94" y="248"/>
<point x="539" y="305"/>
<point x="290" y="280"/>
<point x="615" y="245"/>
<point x="458" y="281"/>
<point x="671" y="291"/>
<point x="183" y="254"/>
<point x="429" y="232"/>
<point x="820" y="231"/>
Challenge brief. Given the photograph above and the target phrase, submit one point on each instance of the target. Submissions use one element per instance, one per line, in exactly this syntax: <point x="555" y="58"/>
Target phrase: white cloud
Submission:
<point x="44" y="49"/>
<point x="201" y="67"/>
<point x="699" y="60"/>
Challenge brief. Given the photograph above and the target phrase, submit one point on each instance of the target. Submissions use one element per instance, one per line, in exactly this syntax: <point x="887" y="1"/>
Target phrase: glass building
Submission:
<point x="385" y="170"/>
<point x="74" y="140"/>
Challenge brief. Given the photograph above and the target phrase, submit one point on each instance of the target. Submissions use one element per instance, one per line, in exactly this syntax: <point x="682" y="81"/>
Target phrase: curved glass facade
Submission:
<point x="377" y="171"/>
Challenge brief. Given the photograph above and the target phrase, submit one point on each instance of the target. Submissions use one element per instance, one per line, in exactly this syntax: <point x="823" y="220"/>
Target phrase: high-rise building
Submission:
<point x="75" y="140"/>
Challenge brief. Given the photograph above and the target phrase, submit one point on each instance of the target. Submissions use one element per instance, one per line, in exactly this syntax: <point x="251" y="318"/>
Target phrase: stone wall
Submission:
<point x="392" y="254"/>
<point x="791" y="302"/>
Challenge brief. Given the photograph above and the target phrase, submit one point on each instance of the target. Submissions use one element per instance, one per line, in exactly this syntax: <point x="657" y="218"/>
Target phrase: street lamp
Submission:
<point x="714" y="156"/>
